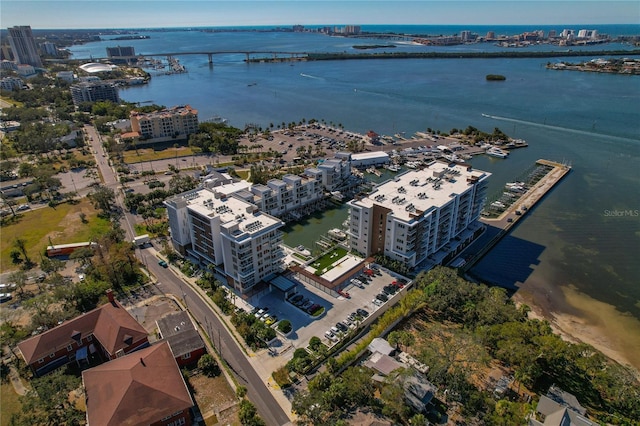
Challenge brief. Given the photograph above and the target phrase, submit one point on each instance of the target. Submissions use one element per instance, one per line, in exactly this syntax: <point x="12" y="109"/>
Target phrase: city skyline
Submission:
<point x="196" y="13"/>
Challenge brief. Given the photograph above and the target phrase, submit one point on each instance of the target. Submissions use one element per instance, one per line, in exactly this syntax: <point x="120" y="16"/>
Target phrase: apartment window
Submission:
<point x="52" y="355"/>
<point x="70" y="347"/>
<point x="186" y="356"/>
<point x="89" y="338"/>
<point x="41" y="360"/>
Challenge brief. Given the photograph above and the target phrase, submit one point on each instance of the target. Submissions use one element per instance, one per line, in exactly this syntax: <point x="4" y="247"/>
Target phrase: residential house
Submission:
<point x="560" y="408"/>
<point x="178" y="330"/>
<point x="145" y="388"/>
<point x="107" y="332"/>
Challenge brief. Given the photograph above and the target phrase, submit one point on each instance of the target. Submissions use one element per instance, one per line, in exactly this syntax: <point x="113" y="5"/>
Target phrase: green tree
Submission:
<point x="103" y="198"/>
<point x="209" y="366"/>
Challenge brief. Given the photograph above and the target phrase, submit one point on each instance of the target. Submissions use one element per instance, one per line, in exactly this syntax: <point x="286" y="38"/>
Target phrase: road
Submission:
<point x="168" y="282"/>
<point x="258" y="393"/>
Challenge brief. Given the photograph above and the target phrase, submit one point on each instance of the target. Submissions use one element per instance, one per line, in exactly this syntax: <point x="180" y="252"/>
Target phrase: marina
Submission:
<point x="511" y="214"/>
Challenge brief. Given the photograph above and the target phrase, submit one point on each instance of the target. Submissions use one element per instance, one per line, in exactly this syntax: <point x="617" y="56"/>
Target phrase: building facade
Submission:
<point x="109" y="331"/>
<point x="416" y="217"/>
<point x="94" y="91"/>
<point x="177" y="122"/>
<point x="23" y="46"/>
<point x="229" y="233"/>
<point x="11" y="83"/>
<point x="291" y="193"/>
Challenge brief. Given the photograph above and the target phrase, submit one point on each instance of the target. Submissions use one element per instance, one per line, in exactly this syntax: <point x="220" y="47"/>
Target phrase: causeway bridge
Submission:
<point x="210" y="53"/>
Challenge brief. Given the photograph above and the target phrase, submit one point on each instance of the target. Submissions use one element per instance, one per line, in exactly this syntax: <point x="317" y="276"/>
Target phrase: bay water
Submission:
<point x="585" y="234"/>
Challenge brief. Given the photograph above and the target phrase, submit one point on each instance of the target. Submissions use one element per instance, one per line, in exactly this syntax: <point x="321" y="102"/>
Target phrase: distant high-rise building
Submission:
<point x="490" y="35"/>
<point x="93" y="92"/>
<point x="119" y="51"/>
<point x="465" y="35"/>
<point x="552" y="33"/>
<point x="49" y="48"/>
<point x="24" y="46"/>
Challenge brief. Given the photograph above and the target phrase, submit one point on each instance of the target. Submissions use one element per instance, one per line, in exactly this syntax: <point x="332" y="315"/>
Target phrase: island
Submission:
<point x="495" y="77"/>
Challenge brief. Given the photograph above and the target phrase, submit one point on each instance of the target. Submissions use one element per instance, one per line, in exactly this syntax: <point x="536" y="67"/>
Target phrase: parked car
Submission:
<point x="296" y="298"/>
<point x="389" y="289"/>
<point x="335" y="330"/>
<point x="307" y="305"/>
<point x="311" y="309"/>
<point x="340" y="326"/>
<point x="260" y="313"/>
<point x="382" y="297"/>
<point x="362" y="312"/>
<point x="5" y="297"/>
<point x="163" y="264"/>
<point x="377" y="302"/>
<point x="329" y="335"/>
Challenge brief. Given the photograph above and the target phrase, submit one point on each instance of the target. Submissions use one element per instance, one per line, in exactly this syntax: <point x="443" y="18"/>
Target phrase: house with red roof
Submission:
<point x="108" y="331"/>
<point x="141" y="388"/>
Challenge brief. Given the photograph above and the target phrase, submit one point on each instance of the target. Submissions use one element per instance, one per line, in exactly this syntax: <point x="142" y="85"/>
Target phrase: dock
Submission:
<point x="519" y="209"/>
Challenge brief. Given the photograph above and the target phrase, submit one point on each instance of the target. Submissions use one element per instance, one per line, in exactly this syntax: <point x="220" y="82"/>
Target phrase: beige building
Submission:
<point x="171" y="123"/>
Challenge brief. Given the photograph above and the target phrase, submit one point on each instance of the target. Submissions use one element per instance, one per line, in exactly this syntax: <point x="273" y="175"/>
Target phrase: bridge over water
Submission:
<point x="209" y="53"/>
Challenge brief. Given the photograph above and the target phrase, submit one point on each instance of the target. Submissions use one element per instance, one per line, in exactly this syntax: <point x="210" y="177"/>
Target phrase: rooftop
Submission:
<point x="140" y="388"/>
<point x="111" y="324"/>
<point x="422" y="190"/>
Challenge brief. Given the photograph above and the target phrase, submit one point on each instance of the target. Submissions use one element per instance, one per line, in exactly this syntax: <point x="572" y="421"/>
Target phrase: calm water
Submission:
<point x="580" y="235"/>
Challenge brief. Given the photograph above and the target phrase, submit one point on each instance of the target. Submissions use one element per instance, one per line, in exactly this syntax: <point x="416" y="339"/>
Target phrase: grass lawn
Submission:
<point x="149" y="154"/>
<point x="10" y="403"/>
<point x="61" y="224"/>
<point x="329" y="259"/>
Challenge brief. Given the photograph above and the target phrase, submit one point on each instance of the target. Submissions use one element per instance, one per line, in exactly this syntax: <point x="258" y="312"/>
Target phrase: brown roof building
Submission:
<point x="108" y="331"/>
<point x="145" y="388"/>
<point x="185" y="341"/>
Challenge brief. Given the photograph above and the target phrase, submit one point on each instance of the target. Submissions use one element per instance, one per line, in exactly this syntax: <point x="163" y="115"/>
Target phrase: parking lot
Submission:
<point x="336" y="310"/>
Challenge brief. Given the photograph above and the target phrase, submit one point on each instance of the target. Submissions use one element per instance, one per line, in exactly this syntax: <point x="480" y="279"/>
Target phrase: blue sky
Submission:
<point x="194" y="13"/>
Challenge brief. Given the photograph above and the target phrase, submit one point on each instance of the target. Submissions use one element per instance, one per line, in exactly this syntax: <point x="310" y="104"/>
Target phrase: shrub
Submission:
<point x="209" y="366"/>
<point x="284" y="326"/>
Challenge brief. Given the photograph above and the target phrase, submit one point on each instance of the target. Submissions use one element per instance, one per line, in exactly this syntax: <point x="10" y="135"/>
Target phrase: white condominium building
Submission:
<point x="177" y="122"/>
<point x="332" y="173"/>
<point x="414" y="217"/>
<point x="280" y="196"/>
<point x="226" y="231"/>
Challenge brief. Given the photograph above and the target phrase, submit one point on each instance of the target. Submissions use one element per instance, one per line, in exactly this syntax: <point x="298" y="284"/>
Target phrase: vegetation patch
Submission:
<point x="327" y="260"/>
<point x="39" y="228"/>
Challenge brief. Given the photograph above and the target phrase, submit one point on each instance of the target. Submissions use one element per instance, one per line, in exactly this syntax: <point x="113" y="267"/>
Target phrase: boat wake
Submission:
<point x="562" y="129"/>
<point x="311" y="76"/>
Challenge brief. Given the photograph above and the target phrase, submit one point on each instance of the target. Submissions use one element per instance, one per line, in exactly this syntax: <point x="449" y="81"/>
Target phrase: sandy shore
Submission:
<point x="580" y="318"/>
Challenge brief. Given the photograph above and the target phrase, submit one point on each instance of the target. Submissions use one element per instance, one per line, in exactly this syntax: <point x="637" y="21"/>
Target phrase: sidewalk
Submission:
<point x="262" y="362"/>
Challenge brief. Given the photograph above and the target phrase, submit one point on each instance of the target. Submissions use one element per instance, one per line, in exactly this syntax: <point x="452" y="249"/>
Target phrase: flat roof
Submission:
<point x="432" y="187"/>
<point x="283" y="284"/>
<point x="211" y="203"/>
<point x="343" y="266"/>
<point x="369" y="155"/>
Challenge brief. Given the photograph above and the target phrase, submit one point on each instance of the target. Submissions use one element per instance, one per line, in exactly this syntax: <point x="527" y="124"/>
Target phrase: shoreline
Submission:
<point x="578" y="318"/>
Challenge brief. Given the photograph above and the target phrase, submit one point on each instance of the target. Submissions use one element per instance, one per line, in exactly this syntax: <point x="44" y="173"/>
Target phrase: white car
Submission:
<point x="377" y="302"/>
<point x="23" y="207"/>
<point x="5" y="296"/>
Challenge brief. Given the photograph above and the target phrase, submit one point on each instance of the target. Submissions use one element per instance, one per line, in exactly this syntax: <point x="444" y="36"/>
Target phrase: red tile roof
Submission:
<point x="110" y="324"/>
<point x="140" y="388"/>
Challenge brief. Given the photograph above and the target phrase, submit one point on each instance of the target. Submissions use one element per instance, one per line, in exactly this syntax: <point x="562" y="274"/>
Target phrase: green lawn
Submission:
<point x="9" y="400"/>
<point x="329" y="259"/>
<point x="149" y="154"/>
<point x="60" y="225"/>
